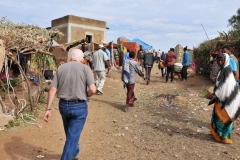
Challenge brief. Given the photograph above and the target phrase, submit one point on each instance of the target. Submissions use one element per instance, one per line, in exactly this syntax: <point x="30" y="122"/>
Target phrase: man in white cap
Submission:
<point x="100" y="59"/>
<point x="70" y="82"/>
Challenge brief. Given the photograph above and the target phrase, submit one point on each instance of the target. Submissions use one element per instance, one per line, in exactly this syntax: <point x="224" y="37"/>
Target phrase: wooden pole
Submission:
<point x="113" y="61"/>
<point x="3" y="105"/>
<point x="205" y="32"/>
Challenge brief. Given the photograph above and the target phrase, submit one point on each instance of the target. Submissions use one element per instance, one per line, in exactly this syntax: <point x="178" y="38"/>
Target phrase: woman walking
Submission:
<point x="227" y="102"/>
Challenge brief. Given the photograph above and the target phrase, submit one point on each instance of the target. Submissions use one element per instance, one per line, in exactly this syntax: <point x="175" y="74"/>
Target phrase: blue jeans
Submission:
<point x="148" y="72"/>
<point x="74" y="115"/>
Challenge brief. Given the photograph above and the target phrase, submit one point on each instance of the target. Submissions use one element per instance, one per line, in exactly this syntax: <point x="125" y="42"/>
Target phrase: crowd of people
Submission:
<point x="74" y="82"/>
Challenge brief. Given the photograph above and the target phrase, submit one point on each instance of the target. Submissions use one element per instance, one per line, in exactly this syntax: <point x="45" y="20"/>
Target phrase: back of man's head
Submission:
<point x="84" y="47"/>
<point x="76" y="55"/>
<point x="185" y="49"/>
<point x="132" y="54"/>
<point x="172" y="49"/>
<point x="226" y="47"/>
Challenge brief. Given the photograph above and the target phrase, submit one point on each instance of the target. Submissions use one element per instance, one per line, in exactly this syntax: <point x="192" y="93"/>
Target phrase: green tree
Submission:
<point x="234" y="21"/>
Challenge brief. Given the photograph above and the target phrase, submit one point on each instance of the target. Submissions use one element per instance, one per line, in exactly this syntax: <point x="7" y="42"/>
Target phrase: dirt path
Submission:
<point x="153" y="129"/>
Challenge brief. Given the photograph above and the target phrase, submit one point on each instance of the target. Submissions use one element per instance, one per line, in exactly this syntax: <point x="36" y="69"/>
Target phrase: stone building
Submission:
<point x="77" y="28"/>
<point x="179" y="54"/>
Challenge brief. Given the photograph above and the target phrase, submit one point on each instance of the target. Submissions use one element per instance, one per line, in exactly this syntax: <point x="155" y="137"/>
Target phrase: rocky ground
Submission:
<point x="169" y="121"/>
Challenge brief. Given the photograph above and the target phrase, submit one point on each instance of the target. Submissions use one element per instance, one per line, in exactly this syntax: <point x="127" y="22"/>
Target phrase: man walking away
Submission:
<point x="108" y="54"/>
<point x="159" y="54"/>
<point x="130" y="69"/>
<point x="169" y="62"/>
<point x="185" y="63"/>
<point x="141" y="60"/>
<point x="100" y="59"/>
<point x="70" y="82"/>
<point x="139" y="54"/>
<point x="163" y="69"/>
<point x="233" y="62"/>
<point x="148" y="64"/>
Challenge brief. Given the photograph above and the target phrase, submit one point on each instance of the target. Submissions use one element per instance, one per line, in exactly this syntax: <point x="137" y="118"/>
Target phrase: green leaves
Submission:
<point x="234" y="21"/>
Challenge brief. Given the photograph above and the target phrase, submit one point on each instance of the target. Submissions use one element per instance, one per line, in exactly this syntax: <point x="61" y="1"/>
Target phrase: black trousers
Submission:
<point x="162" y="72"/>
<point x="184" y="72"/>
<point x="170" y="69"/>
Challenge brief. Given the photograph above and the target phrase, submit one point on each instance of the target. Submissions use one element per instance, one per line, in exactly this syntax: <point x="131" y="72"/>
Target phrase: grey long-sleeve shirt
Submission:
<point x="134" y="69"/>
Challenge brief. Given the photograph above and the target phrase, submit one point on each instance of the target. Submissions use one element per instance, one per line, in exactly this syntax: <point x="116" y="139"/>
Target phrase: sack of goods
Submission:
<point x="161" y="64"/>
<point x="178" y="67"/>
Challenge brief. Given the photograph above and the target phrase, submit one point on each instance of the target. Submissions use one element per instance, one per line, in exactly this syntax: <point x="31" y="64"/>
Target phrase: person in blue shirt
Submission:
<point x="107" y="52"/>
<point x="185" y="63"/>
<point x="233" y="62"/>
<point x="126" y="55"/>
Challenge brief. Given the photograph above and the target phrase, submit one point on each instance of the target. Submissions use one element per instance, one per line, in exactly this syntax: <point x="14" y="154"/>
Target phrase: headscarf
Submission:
<point x="226" y="89"/>
<point x="226" y="58"/>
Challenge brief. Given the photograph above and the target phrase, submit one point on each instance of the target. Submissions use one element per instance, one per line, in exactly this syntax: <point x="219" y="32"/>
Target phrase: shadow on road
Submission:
<point x="16" y="148"/>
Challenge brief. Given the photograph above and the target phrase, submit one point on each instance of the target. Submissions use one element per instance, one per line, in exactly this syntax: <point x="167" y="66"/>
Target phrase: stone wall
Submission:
<point x="80" y="33"/>
<point x="78" y="20"/>
<point x="76" y="28"/>
<point x="179" y="53"/>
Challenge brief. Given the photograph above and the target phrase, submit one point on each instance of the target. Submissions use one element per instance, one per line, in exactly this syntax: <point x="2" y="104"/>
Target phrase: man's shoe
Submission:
<point x="100" y="92"/>
<point x="173" y="81"/>
<point x="148" y="82"/>
<point x="97" y="92"/>
<point x="76" y="157"/>
<point x="126" y="108"/>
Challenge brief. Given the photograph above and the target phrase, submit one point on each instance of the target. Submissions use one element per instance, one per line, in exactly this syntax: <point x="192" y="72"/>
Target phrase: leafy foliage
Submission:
<point x="38" y="59"/>
<point x="203" y="52"/>
<point x="25" y="37"/>
<point x="234" y="21"/>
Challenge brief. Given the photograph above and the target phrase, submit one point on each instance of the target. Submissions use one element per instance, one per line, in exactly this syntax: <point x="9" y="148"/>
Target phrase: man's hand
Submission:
<point x="213" y="96"/>
<point x="51" y="95"/>
<point x="235" y="75"/>
<point x="47" y="116"/>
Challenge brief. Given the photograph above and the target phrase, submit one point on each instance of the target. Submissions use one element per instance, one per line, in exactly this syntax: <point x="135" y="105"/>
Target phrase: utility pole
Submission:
<point x="205" y="32"/>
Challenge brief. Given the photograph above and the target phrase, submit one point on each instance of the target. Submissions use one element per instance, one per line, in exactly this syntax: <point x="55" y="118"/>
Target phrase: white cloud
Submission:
<point x="161" y="23"/>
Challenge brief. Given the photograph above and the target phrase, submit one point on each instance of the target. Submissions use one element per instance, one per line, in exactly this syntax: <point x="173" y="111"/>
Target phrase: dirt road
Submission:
<point x="169" y="121"/>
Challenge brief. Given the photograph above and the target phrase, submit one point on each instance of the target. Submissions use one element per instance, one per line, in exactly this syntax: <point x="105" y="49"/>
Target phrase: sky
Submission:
<point x="160" y="23"/>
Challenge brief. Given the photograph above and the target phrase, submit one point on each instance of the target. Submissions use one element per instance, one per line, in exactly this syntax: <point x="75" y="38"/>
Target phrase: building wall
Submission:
<point x="78" y="20"/>
<point x="179" y="53"/>
<point x="191" y="55"/>
<point x="64" y="38"/>
<point x="80" y="33"/>
<point x="76" y="28"/>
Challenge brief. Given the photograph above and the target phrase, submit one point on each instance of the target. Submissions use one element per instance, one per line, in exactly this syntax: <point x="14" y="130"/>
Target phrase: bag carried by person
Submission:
<point x="161" y="64"/>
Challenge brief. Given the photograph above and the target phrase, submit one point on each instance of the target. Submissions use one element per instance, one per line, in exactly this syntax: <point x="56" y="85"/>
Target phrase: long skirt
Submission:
<point x="221" y="125"/>
<point x="130" y="95"/>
